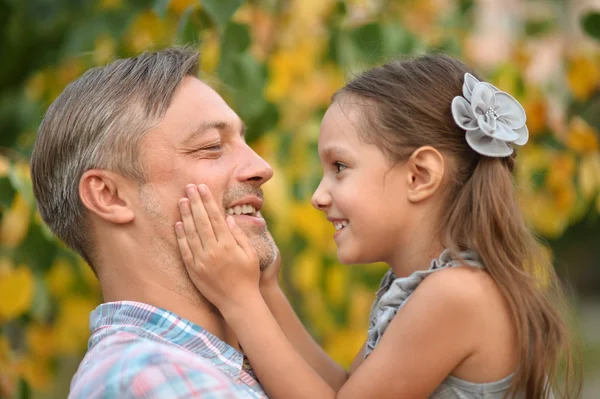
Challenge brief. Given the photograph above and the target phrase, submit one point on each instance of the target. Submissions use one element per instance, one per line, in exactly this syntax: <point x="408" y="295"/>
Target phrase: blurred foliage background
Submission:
<point x="277" y="62"/>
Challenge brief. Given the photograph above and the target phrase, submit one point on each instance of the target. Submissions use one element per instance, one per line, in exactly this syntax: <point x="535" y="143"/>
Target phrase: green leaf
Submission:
<point x="22" y="185"/>
<point x="37" y="250"/>
<point x="368" y="42"/>
<point x="235" y="40"/>
<point x="591" y="24"/>
<point x="7" y="192"/>
<point x="160" y="7"/>
<point x="221" y="11"/>
<point x="187" y="30"/>
<point x="42" y="303"/>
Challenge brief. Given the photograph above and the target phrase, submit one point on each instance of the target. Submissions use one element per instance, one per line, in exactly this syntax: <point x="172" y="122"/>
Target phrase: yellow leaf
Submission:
<point x="4" y="166"/>
<point x="278" y="204"/>
<point x="336" y="284"/>
<point x="546" y="218"/>
<point x="60" y="277"/>
<point x="37" y="373"/>
<point x="40" y="340"/>
<point x="179" y="6"/>
<point x="16" y="292"/>
<point x="69" y="70"/>
<point x="35" y="86"/>
<point x="343" y="345"/>
<point x="104" y="49"/>
<point x="582" y="137"/>
<point x="6" y="266"/>
<point x="361" y="301"/>
<point x="583" y="75"/>
<point x="318" y="313"/>
<point x="210" y="52"/>
<point x="15" y="222"/>
<point x="313" y="225"/>
<point x="589" y="175"/>
<point x="537" y="111"/>
<point x="72" y="326"/>
<point x="307" y="271"/>
<point x="562" y="170"/>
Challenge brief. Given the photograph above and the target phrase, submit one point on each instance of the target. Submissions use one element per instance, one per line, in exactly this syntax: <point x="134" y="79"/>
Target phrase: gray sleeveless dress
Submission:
<point x="393" y="294"/>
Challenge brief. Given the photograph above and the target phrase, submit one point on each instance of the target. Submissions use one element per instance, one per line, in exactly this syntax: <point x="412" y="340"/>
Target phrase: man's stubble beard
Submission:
<point x="166" y="249"/>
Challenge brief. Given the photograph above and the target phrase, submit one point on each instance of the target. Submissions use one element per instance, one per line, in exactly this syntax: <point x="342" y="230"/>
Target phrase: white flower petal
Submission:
<point x="492" y="86"/>
<point x="484" y="124"/>
<point x="509" y="110"/>
<point x="523" y="133"/>
<point x="486" y="145"/>
<point x="482" y="99"/>
<point x="504" y="133"/>
<point x="461" y="111"/>
<point x="469" y="84"/>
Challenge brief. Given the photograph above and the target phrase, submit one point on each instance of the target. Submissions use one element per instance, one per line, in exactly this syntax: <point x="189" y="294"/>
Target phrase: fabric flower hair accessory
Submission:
<point x="492" y="119"/>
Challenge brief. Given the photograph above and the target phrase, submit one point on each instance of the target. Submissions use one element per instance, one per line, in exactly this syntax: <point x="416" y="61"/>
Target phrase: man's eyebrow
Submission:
<point x="210" y="125"/>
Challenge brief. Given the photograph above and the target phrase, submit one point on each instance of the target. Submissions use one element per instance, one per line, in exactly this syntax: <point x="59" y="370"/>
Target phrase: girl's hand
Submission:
<point x="216" y="252"/>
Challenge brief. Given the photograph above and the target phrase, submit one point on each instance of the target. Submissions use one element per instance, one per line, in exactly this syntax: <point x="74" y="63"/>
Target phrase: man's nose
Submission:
<point x="254" y="169"/>
<point x="321" y="198"/>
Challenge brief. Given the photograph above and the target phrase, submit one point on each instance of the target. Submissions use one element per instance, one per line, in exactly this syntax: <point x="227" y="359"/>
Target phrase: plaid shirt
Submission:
<point x="139" y="351"/>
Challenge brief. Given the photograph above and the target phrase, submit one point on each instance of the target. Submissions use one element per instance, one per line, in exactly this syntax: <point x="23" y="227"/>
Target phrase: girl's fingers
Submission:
<point x="184" y="248"/>
<point x="189" y="227"/>
<point x="240" y="237"/>
<point x="215" y="214"/>
<point x="201" y="220"/>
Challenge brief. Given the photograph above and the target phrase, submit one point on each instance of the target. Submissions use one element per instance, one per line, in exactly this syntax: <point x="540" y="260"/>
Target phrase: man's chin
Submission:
<point x="265" y="249"/>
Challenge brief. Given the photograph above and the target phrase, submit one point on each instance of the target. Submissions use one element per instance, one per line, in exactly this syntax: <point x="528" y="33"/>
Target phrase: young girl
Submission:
<point x="417" y="158"/>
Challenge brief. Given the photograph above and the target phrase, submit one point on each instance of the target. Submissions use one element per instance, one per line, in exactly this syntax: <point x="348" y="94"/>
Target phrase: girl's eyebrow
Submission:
<point x="335" y="152"/>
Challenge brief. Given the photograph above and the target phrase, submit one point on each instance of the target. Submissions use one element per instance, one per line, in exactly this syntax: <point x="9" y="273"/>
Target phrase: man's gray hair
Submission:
<point x="98" y="122"/>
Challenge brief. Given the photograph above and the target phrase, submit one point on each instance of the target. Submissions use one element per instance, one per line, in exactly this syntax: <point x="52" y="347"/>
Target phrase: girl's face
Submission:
<point x="363" y="194"/>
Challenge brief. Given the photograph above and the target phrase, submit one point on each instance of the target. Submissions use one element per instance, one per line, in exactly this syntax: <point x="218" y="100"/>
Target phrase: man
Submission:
<point x="113" y="157"/>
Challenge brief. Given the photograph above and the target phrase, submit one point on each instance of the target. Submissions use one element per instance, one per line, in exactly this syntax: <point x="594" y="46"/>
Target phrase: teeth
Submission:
<point x="244" y="209"/>
<point x="340" y="225"/>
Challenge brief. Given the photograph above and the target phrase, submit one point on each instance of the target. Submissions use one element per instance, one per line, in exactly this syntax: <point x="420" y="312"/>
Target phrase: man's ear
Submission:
<point x="102" y="193"/>
<point x="425" y="173"/>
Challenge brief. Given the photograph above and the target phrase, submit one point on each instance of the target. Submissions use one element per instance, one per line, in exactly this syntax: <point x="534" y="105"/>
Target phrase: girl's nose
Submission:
<point x="321" y="199"/>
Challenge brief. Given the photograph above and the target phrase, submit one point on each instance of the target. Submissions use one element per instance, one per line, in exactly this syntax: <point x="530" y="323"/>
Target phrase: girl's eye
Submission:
<point x="339" y="167"/>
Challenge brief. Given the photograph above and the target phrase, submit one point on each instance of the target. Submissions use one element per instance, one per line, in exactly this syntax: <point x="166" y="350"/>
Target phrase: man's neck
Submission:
<point x="183" y="300"/>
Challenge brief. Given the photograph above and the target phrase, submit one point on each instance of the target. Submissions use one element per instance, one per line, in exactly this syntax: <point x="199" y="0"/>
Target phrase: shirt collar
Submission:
<point x="161" y="325"/>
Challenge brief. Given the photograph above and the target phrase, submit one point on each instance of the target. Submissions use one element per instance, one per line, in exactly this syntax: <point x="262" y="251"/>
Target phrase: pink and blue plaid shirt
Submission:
<point x="139" y="351"/>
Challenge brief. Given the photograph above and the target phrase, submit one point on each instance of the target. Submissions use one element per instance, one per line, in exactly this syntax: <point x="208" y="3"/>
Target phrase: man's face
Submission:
<point x="201" y="140"/>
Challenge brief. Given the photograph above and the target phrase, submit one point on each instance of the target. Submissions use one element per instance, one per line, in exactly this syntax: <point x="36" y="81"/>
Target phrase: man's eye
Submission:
<point x="216" y="147"/>
<point x="339" y="166"/>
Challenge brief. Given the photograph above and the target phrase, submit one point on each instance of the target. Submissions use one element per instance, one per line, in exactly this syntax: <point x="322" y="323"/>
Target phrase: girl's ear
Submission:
<point x="102" y="194"/>
<point x="425" y="173"/>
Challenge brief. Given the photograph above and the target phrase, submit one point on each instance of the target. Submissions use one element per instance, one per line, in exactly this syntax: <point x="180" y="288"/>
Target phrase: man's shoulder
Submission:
<point x="129" y="366"/>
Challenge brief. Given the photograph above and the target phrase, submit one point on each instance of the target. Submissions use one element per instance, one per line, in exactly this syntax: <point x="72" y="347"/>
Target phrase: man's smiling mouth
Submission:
<point x="244" y="209"/>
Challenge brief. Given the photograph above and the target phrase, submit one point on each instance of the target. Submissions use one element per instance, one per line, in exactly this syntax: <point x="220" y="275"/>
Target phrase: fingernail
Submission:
<point x="183" y="203"/>
<point x="202" y="189"/>
<point x="190" y="189"/>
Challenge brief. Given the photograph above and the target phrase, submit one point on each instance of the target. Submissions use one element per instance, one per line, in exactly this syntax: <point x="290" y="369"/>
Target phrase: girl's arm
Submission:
<point x="300" y="339"/>
<point x="433" y="333"/>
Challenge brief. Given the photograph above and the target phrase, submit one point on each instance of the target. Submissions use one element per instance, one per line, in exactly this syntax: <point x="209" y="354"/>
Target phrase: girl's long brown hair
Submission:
<point x="406" y="104"/>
